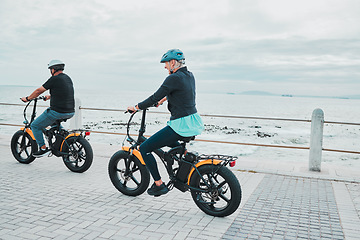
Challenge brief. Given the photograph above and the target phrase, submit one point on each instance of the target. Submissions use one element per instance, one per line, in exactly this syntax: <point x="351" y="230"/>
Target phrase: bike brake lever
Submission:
<point x="129" y="111"/>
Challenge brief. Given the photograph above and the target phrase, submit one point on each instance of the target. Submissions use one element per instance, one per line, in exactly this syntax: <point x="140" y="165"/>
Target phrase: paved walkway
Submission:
<point x="44" y="200"/>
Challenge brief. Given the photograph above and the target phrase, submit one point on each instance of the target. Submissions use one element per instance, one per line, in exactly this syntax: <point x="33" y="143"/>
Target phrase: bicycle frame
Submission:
<point x="213" y="187"/>
<point x="204" y="160"/>
<point x="72" y="146"/>
<point x="140" y="139"/>
<point x="28" y="130"/>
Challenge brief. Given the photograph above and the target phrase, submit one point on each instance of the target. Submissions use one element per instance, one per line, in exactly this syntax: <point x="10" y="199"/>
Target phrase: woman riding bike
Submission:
<point x="179" y="90"/>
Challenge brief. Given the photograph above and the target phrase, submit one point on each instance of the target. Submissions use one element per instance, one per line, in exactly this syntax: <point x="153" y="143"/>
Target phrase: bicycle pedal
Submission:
<point x="170" y="185"/>
<point x="69" y="161"/>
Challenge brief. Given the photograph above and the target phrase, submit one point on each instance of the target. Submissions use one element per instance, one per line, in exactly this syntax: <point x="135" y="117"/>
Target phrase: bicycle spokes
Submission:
<point x="216" y="193"/>
<point x="129" y="172"/>
<point x="77" y="154"/>
<point x="23" y="146"/>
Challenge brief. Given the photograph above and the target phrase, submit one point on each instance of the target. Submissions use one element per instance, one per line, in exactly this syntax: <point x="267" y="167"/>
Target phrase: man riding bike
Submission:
<point x="179" y="90"/>
<point x="62" y="103"/>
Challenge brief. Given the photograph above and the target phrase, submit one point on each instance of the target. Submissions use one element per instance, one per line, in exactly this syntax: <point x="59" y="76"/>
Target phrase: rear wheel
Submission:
<point x="127" y="174"/>
<point x="220" y="193"/>
<point x="80" y="154"/>
<point x="23" y="146"/>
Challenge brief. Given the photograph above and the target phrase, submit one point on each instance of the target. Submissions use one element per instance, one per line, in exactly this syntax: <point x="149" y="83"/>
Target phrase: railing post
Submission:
<point x="316" y="140"/>
<point x="76" y="120"/>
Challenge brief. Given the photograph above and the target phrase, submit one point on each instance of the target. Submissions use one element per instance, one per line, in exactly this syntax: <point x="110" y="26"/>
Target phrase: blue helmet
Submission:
<point x="176" y="54"/>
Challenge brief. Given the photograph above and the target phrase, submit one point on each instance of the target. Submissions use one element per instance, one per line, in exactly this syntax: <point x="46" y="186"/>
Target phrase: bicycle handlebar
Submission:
<point x="34" y="109"/>
<point x="136" y="110"/>
<point x="42" y="97"/>
<point x="142" y="126"/>
<point x="128" y="124"/>
<point x="37" y="98"/>
<point x="129" y="111"/>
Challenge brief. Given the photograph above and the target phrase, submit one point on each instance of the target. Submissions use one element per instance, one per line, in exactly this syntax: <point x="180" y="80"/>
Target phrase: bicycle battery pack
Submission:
<point x="183" y="171"/>
<point x="57" y="143"/>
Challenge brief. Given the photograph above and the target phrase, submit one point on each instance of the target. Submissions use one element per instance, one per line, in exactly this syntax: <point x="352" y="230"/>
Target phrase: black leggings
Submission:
<point x="164" y="137"/>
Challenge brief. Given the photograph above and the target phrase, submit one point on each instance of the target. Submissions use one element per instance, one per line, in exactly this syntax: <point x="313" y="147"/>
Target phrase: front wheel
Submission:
<point x="79" y="154"/>
<point x="127" y="174"/>
<point x="23" y="146"/>
<point x="219" y="192"/>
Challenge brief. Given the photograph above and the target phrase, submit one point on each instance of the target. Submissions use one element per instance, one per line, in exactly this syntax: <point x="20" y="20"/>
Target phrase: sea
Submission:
<point x="236" y="119"/>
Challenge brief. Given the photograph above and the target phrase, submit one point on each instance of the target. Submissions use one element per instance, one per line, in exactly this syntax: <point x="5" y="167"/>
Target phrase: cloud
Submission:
<point x="237" y="42"/>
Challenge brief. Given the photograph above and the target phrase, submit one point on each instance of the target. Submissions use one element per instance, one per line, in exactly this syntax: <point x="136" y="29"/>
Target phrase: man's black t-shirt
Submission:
<point x="62" y="93"/>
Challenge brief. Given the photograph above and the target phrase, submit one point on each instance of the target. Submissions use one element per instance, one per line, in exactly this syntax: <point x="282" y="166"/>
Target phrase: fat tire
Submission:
<point x="228" y="179"/>
<point x="23" y="156"/>
<point x="82" y="160"/>
<point x="139" y="182"/>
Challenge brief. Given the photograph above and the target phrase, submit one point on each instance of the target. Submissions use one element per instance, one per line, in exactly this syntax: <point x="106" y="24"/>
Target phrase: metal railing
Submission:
<point x="239" y="117"/>
<point x="77" y="120"/>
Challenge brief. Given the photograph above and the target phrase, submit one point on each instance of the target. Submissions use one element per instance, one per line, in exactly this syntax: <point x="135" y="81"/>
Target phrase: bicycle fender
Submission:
<point x="70" y="135"/>
<point x="28" y="131"/>
<point x="206" y="162"/>
<point x="136" y="153"/>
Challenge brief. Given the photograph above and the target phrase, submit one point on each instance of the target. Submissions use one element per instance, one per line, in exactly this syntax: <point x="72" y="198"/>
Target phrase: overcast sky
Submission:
<point x="281" y="46"/>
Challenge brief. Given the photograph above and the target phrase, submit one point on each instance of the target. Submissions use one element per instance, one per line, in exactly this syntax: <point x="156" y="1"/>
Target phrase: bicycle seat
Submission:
<point x="188" y="139"/>
<point x="59" y="121"/>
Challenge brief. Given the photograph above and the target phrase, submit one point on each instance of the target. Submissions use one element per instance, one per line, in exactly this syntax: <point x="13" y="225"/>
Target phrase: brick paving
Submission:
<point x="289" y="208"/>
<point x="354" y="190"/>
<point x="44" y="200"/>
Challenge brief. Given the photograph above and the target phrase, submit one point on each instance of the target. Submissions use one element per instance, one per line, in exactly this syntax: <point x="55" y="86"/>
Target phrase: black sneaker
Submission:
<point x="41" y="153"/>
<point x="157" y="190"/>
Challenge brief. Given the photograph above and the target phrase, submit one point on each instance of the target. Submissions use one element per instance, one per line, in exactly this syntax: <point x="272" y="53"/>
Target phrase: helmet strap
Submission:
<point x="55" y="71"/>
<point x="176" y="66"/>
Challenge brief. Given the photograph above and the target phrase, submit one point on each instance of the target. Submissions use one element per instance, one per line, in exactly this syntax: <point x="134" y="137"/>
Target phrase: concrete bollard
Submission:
<point x="76" y="120"/>
<point x="316" y="140"/>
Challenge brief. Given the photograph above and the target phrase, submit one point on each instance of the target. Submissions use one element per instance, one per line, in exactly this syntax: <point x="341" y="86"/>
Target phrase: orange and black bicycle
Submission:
<point x="72" y="146"/>
<point x="214" y="188"/>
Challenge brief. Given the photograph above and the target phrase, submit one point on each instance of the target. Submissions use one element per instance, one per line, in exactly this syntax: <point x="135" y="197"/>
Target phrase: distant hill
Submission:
<point x="263" y="93"/>
<point x="351" y="96"/>
<point x="259" y="93"/>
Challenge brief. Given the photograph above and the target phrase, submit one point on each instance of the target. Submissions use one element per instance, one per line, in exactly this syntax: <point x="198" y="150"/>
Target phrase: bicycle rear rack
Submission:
<point x="220" y="157"/>
<point x="226" y="159"/>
